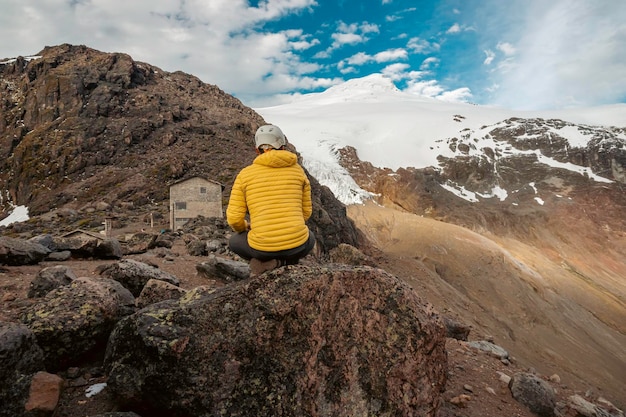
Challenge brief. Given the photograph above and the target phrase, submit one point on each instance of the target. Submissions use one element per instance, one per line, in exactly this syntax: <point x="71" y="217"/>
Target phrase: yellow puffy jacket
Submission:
<point x="277" y="193"/>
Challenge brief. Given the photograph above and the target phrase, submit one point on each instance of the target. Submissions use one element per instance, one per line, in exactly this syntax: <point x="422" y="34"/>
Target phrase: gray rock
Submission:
<point x="19" y="352"/>
<point x="108" y="249"/>
<point x="214" y="245"/>
<point x="74" y="321"/>
<point x="46" y="240"/>
<point x="20" y="358"/>
<point x="50" y="278"/>
<point x="586" y="409"/>
<point x="349" y="255"/>
<point x="490" y="348"/>
<point x="156" y="291"/>
<point x="59" y="256"/>
<point x="197" y="248"/>
<point x="456" y="330"/>
<point x="223" y="269"/>
<point x="295" y="341"/>
<point x="21" y="252"/>
<point x="534" y="393"/>
<point x="139" y="243"/>
<point x="134" y="274"/>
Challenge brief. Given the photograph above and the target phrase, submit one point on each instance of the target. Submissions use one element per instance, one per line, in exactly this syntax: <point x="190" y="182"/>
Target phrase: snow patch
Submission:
<point x="19" y="214"/>
<point x="95" y="389"/>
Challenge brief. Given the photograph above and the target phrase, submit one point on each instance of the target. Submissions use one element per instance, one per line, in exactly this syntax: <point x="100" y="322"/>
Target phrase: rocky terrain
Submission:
<point x="76" y="376"/>
<point x="86" y="136"/>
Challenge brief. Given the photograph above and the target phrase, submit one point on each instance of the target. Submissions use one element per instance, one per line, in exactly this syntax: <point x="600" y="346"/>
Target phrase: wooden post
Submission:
<point x="107" y="227"/>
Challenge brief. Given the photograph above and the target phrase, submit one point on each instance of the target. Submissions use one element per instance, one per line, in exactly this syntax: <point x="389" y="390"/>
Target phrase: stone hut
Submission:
<point x="193" y="197"/>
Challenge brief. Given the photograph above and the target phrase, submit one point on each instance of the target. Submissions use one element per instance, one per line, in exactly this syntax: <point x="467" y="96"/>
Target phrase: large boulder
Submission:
<point x="74" y="321"/>
<point x="21" y="252"/>
<point x="134" y="274"/>
<point x="295" y="341"/>
<point x="20" y="358"/>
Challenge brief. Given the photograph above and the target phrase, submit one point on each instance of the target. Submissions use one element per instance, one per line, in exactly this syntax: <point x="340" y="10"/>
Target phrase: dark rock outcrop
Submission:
<point x="295" y="341"/>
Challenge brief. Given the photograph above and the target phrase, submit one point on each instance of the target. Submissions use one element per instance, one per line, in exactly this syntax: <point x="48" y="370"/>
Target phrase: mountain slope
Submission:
<point x="546" y="312"/>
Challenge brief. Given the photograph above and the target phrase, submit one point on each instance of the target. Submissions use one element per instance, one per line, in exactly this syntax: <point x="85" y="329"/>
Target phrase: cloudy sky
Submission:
<point x="520" y="54"/>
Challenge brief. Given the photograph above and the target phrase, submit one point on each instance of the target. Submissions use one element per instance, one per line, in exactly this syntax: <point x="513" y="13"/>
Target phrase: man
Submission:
<point x="276" y="193"/>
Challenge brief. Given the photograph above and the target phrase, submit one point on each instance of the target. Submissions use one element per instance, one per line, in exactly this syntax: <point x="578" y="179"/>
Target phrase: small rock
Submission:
<point x="555" y="378"/>
<point x="586" y="409"/>
<point x="504" y="377"/>
<point x="461" y="400"/>
<point x="45" y="392"/>
<point x="469" y="388"/>
<point x="73" y="372"/>
<point x="9" y="297"/>
<point x="490" y="348"/>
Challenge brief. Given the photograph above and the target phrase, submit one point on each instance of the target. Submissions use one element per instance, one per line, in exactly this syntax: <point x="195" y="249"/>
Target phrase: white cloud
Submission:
<point x="424" y="88"/>
<point x="460" y="95"/>
<point x="391" y="55"/>
<point x="346" y="38"/>
<point x="349" y="34"/>
<point x="422" y="46"/>
<point x="433" y="89"/>
<point x="429" y="63"/>
<point x="455" y="28"/>
<point x="506" y="48"/>
<point x="361" y="58"/>
<point x="396" y="71"/>
<point x="539" y="54"/>
<point x="490" y="56"/>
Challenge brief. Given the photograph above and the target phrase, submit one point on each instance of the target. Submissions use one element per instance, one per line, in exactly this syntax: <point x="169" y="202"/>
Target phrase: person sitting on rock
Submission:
<point x="276" y="194"/>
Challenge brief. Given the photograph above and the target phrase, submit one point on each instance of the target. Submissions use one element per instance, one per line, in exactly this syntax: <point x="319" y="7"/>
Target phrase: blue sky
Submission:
<point x="519" y="54"/>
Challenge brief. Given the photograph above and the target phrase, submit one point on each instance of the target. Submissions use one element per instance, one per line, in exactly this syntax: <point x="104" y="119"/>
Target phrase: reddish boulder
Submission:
<point x="298" y="340"/>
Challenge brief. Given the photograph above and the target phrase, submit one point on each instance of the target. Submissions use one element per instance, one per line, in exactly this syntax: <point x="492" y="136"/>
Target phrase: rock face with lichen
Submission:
<point x="73" y="321"/>
<point x="307" y="341"/>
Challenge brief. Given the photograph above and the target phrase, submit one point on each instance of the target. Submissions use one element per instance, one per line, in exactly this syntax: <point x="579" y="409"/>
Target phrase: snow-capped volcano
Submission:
<point x="393" y="129"/>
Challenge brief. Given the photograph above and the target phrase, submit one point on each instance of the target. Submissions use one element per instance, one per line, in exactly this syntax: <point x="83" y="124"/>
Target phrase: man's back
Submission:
<point x="276" y="192"/>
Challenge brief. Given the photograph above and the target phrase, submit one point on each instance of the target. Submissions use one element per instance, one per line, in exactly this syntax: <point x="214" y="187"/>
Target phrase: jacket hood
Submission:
<point x="276" y="159"/>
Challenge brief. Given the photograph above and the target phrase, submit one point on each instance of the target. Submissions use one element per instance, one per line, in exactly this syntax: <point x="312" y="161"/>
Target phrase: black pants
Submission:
<point x="238" y="243"/>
